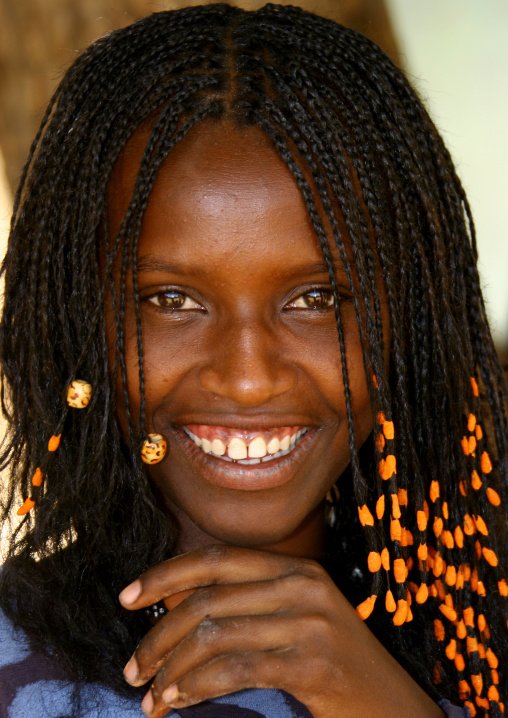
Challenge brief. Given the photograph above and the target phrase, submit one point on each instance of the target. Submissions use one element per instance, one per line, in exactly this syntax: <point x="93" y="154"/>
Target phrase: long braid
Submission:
<point x="429" y="488"/>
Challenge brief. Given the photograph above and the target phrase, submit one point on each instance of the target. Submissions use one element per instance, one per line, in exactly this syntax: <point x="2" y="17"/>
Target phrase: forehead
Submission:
<point x="216" y="168"/>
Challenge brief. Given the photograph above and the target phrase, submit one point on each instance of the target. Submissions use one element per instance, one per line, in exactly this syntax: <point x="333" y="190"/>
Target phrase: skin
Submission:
<point x="226" y="227"/>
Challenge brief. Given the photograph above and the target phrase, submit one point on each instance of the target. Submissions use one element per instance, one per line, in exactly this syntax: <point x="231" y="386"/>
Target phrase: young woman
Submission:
<point x="256" y="418"/>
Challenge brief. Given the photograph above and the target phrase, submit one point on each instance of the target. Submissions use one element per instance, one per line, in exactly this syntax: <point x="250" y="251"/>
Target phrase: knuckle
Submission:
<point x="214" y="555"/>
<point x="208" y="631"/>
<point x="241" y="668"/>
<point x="201" y="601"/>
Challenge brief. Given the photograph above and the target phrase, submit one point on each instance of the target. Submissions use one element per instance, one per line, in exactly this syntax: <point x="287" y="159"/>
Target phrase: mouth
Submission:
<point x="245" y="447"/>
<point x="245" y="459"/>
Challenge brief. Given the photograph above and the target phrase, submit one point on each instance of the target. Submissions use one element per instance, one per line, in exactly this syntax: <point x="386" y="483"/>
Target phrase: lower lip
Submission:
<point x="253" y="477"/>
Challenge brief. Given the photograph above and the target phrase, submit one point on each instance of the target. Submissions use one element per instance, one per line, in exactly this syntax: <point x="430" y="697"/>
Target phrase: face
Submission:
<point x="241" y="356"/>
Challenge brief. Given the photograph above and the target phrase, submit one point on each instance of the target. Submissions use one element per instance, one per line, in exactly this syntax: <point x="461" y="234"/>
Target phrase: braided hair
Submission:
<point x="427" y="491"/>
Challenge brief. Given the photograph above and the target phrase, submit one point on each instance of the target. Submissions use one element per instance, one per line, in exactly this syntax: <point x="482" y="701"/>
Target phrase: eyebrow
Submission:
<point x="151" y="264"/>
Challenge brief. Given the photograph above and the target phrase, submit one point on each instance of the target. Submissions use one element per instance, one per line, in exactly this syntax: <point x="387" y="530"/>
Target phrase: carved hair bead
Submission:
<point x="79" y="394"/>
<point x="154" y="449"/>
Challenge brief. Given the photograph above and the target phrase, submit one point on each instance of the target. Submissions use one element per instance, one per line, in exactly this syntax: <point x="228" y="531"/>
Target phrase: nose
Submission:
<point x="247" y="366"/>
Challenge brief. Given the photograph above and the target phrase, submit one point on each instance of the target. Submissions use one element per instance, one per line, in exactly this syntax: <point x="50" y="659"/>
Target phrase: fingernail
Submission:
<point x="147" y="703"/>
<point x="131" y="670"/>
<point x="170" y="694"/>
<point x="131" y="593"/>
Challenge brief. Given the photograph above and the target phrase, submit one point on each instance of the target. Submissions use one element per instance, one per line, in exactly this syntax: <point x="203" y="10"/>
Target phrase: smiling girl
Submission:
<point x="251" y="389"/>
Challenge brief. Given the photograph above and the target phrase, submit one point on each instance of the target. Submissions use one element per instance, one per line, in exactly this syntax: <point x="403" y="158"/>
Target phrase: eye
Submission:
<point x="173" y="300"/>
<point x="313" y="299"/>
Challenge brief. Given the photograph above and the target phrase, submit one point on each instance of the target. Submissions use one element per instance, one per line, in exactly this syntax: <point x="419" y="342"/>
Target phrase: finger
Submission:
<point x="220" y="636"/>
<point x="259" y="598"/>
<point x="217" y="564"/>
<point x="223" y="675"/>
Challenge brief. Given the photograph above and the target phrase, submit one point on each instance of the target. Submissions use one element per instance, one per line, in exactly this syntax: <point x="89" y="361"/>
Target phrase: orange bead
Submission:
<point x="482" y="702"/>
<point x="485" y="463"/>
<point x="54" y="443"/>
<point x="421" y="520"/>
<point x="459" y="661"/>
<point x="395" y="530"/>
<point x="381" y="418"/>
<point x="464" y="690"/>
<point x="400" y="615"/>
<point x="481" y="622"/>
<point x="422" y="594"/>
<point x="399" y="570"/>
<point x="366" y="518"/>
<point x="481" y="525"/>
<point x="493" y="497"/>
<point x="495" y="677"/>
<point x="477" y="681"/>
<point x="380" y="442"/>
<point x="440" y="589"/>
<point x="366" y="607"/>
<point x="447" y="539"/>
<point x="492" y="659"/>
<point x="471" y="645"/>
<point x="471" y="422"/>
<point x="395" y="507"/>
<point x="490" y="556"/>
<point x="438" y="526"/>
<point x="478" y="548"/>
<point x="503" y="587"/>
<point x="422" y="552"/>
<point x="27" y="506"/>
<point x="468" y="614"/>
<point x="390" y="602"/>
<point x="374" y="382"/>
<point x="469" y="527"/>
<point x="385" y="559"/>
<point x="402" y="496"/>
<point x="471" y="707"/>
<point x="374" y="561"/>
<point x="433" y="590"/>
<point x="426" y="508"/>
<point x="481" y="651"/>
<point x="471" y="444"/>
<point x="444" y="509"/>
<point x="439" y="565"/>
<point x="481" y="589"/>
<point x="449" y="613"/>
<point x="380" y="507"/>
<point x="388" y="467"/>
<point x="462" y="487"/>
<point x="388" y="430"/>
<point x="37" y="477"/>
<point x="493" y="693"/>
<point x="465" y="445"/>
<point x="439" y="630"/>
<point x="476" y="482"/>
<point x="459" y="537"/>
<point x="451" y="649"/>
<point x="474" y="387"/>
<point x="478" y="432"/>
<point x="434" y="492"/>
<point x="451" y="575"/>
<point x="474" y="580"/>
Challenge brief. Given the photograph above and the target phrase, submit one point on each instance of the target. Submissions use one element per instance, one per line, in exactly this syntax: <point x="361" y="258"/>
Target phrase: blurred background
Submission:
<point x="455" y="52"/>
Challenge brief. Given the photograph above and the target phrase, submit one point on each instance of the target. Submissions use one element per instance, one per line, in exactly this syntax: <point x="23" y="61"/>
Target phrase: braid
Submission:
<point x="428" y="489"/>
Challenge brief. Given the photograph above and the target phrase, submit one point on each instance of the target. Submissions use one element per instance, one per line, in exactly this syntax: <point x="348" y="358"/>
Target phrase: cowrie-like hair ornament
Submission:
<point x="154" y="449"/>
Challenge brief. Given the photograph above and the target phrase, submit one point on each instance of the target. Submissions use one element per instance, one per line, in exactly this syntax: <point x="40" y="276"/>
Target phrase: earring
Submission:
<point x="154" y="449"/>
<point x="79" y="394"/>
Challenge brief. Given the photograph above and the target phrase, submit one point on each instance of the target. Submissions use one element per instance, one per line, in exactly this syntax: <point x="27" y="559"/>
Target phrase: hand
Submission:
<point x="253" y="619"/>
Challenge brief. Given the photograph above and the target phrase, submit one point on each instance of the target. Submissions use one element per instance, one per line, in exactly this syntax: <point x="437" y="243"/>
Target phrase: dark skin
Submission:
<point x="239" y="332"/>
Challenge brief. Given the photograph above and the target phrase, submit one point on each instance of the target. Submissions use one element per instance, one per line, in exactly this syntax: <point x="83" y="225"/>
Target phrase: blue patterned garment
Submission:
<point x="32" y="687"/>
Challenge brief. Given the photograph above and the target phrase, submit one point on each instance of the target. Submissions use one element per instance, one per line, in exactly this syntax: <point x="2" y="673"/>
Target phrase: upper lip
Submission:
<point x="229" y="421"/>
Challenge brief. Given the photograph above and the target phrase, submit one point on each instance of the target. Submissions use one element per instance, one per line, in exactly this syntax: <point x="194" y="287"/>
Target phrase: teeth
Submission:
<point x="218" y="447"/>
<point x="273" y="446"/>
<point x="257" y="451"/>
<point x="237" y="449"/>
<point x="257" y="448"/>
